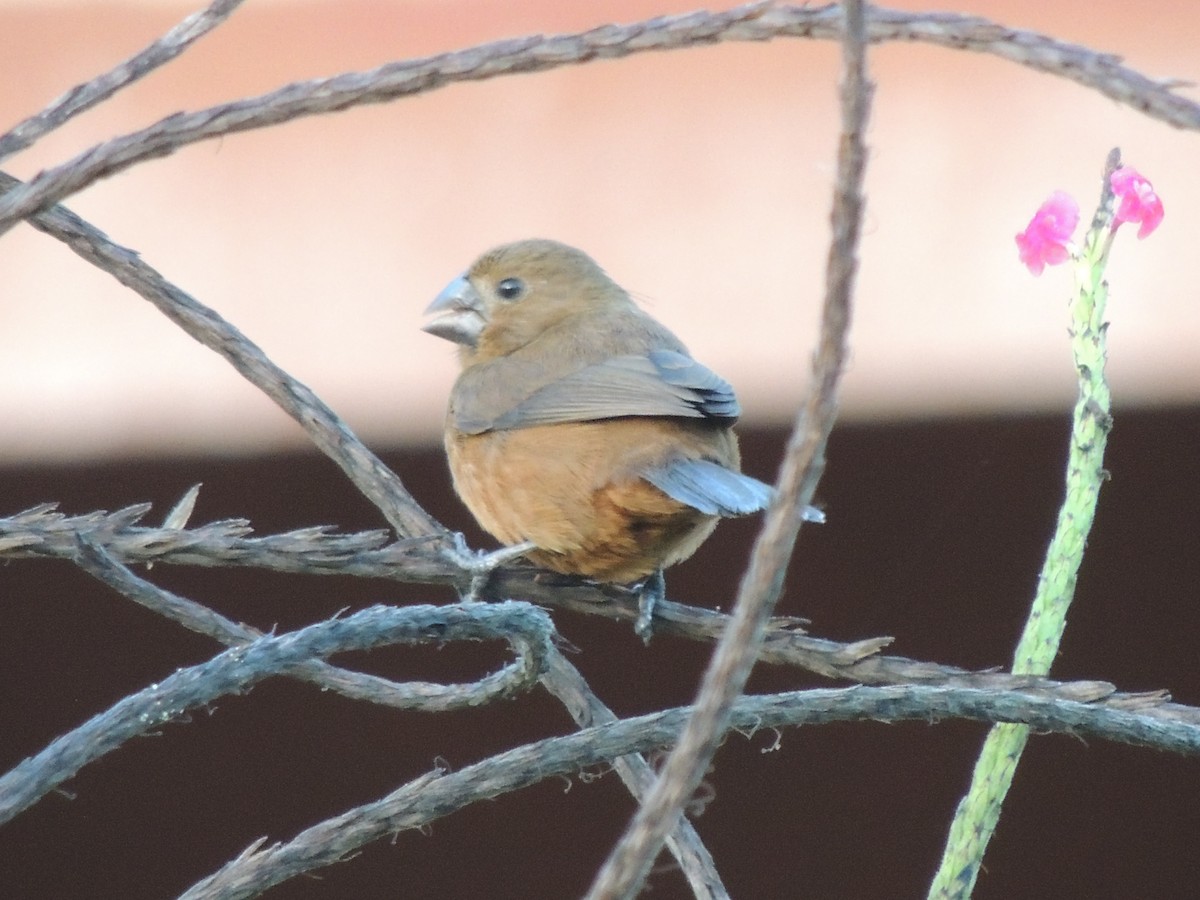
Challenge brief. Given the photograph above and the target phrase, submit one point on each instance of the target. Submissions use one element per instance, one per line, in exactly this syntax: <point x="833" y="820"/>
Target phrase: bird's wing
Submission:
<point x="710" y="488"/>
<point x="661" y="383"/>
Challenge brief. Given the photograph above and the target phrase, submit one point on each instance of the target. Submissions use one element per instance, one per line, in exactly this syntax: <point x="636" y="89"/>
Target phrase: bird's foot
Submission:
<point x="652" y="591"/>
<point x="480" y="565"/>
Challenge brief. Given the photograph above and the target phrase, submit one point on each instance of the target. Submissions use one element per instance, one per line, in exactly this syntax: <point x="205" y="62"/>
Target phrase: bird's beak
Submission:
<point x="460" y="311"/>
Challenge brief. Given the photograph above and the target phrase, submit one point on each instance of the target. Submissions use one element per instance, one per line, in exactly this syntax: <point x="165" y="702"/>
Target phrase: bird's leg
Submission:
<point x="481" y="565"/>
<point x="653" y="590"/>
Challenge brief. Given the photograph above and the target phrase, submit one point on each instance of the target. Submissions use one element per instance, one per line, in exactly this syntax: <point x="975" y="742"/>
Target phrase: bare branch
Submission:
<point x="85" y="96"/>
<point x="565" y="682"/>
<point x="528" y="631"/>
<point x="626" y="868"/>
<point x="757" y="21"/>
<point x="43" y="533"/>
<point x="439" y="793"/>
<point x="415" y="695"/>
<point x="99" y="542"/>
<point x="330" y="434"/>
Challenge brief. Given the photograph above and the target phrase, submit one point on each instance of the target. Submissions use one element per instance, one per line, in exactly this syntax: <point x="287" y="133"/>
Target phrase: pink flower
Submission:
<point x="1045" y="240"/>
<point x="1136" y="199"/>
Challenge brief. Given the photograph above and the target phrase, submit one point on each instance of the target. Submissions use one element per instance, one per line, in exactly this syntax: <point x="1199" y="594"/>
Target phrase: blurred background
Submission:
<point x="700" y="179"/>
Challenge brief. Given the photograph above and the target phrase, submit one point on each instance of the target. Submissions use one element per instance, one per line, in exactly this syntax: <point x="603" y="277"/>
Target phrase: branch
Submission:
<point x="565" y="682"/>
<point x="112" y="537"/>
<point x="439" y="793"/>
<point x="84" y="96"/>
<point x="558" y="676"/>
<point x="627" y="866"/>
<point x="414" y="695"/>
<point x="758" y="21"/>
<point x="329" y="433"/>
<point x="528" y="631"/>
<point x="43" y="533"/>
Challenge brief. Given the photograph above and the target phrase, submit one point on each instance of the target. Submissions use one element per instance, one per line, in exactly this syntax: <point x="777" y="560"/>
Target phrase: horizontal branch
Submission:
<point x="758" y="21"/>
<point x="44" y="533"/>
<point x="527" y="629"/>
<point x="440" y="793"/>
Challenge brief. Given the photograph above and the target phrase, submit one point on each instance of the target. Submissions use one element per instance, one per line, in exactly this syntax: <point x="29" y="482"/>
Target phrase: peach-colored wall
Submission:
<point x="699" y="178"/>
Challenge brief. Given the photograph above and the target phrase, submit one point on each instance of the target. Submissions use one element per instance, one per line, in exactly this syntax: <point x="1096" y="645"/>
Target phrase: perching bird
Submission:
<point x="581" y="425"/>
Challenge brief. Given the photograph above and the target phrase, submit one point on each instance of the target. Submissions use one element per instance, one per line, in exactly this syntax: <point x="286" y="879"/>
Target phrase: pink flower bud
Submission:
<point x="1046" y="239"/>
<point x="1136" y="200"/>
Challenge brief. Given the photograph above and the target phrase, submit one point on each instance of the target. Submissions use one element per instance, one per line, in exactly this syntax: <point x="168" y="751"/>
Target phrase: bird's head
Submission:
<point x="516" y="292"/>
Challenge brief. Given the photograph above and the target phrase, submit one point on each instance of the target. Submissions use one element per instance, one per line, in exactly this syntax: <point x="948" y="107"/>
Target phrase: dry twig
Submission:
<point x="565" y="682"/>
<point x="736" y="652"/>
<point x="527" y="629"/>
<point x="84" y="96"/>
<point x="329" y="433"/>
<point x="439" y="793"/>
<point x="101" y="542"/>
<point x="757" y="21"/>
<point x="44" y="533"/>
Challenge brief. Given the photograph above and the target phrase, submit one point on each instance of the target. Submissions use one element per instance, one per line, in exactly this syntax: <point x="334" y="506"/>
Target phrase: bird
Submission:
<point x="580" y="431"/>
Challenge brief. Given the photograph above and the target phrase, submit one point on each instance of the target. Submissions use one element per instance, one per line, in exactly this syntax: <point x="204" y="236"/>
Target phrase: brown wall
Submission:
<point x="935" y="535"/>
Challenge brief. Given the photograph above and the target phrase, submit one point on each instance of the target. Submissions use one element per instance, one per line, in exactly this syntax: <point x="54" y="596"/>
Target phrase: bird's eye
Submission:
<point x="510" y="288"/>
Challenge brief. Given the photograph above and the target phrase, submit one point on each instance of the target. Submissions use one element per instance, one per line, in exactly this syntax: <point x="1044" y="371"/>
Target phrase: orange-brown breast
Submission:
<point x="574" y="491"/>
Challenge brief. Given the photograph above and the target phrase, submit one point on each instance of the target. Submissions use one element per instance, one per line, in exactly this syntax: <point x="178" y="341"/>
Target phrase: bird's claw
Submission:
<point x="480" y="564"/>
<point x="653" y="590"/>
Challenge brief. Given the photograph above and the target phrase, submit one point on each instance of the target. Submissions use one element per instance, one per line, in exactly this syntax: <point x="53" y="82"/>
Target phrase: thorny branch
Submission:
<point x="84" y="96"/>
<point x="757" y="21"/>
<point x="629" y="863"/>
<point x="46" y="534"/>
<point x="566" y="683"/>
<point x="535" y="658"/>
<point x="527" y="629"/>
<point x="329" y="433"/>
<point x="355" y="685"/>
<point x="100" y="543"/>
<point x="439" y="793"/>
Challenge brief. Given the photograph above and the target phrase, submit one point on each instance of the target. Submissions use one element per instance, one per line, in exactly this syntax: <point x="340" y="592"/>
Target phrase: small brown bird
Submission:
<point x="581" y="426"/>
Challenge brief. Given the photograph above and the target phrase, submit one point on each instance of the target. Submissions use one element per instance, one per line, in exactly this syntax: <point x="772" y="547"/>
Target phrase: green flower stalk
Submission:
<point x="1126" y="197"/>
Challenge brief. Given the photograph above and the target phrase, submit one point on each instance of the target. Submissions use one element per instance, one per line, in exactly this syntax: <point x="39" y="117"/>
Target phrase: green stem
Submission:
<point x="979" y="811"/>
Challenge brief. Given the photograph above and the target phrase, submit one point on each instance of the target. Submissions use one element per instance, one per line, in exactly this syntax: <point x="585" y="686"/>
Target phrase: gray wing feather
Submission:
<point x="712" y="393"/>
<point x="710" y="488"/>
<point x="662" y="383"/>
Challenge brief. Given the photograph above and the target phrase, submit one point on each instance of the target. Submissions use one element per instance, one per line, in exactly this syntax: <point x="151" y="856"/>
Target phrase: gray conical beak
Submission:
<point x="460" y="315"/>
